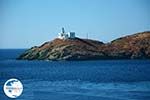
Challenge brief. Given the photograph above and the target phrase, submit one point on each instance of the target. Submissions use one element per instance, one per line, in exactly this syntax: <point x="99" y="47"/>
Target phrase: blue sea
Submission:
<point x="76" y="80"/>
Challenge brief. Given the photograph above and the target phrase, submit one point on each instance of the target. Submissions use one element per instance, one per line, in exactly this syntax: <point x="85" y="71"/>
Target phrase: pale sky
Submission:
<point x="26" y="23"/>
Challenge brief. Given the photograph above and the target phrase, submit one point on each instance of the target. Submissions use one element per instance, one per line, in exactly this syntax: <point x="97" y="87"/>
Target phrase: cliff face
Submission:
<point x="135" y="46"/>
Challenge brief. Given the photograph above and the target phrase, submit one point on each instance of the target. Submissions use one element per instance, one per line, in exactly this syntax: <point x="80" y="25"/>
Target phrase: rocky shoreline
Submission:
<point x="136" y="46"/>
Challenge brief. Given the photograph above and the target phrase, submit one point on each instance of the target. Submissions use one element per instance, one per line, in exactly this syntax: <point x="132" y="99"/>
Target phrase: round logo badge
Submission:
<point x="13" y="88"/>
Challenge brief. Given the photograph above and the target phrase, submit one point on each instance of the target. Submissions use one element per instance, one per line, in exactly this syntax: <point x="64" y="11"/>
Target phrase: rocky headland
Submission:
<point x="136" y="46"/>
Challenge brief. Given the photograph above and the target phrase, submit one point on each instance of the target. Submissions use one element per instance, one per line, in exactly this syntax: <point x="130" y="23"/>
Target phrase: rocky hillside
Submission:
<point x="135" y="46"/>
<point x="69" y="49"/>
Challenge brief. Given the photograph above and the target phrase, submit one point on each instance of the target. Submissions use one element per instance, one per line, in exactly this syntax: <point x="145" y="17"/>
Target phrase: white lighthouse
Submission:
<point x="64" y="35"/>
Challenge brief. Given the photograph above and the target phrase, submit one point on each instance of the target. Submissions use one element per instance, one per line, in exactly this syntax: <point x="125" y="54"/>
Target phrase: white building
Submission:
<point x="71" y="35"/>
<point x="64" y="35"/>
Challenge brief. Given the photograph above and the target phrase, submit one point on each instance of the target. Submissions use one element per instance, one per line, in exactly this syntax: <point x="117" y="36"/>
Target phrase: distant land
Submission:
<point x="136" y="46"/>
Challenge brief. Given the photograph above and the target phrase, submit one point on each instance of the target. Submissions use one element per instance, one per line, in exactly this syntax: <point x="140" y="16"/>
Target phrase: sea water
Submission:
<point x="76" y="80"/>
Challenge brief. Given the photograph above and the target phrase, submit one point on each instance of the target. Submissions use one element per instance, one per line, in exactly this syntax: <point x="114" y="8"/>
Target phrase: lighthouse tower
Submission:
<point x="63" y="30"/>
<point x="62" y="35"/>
